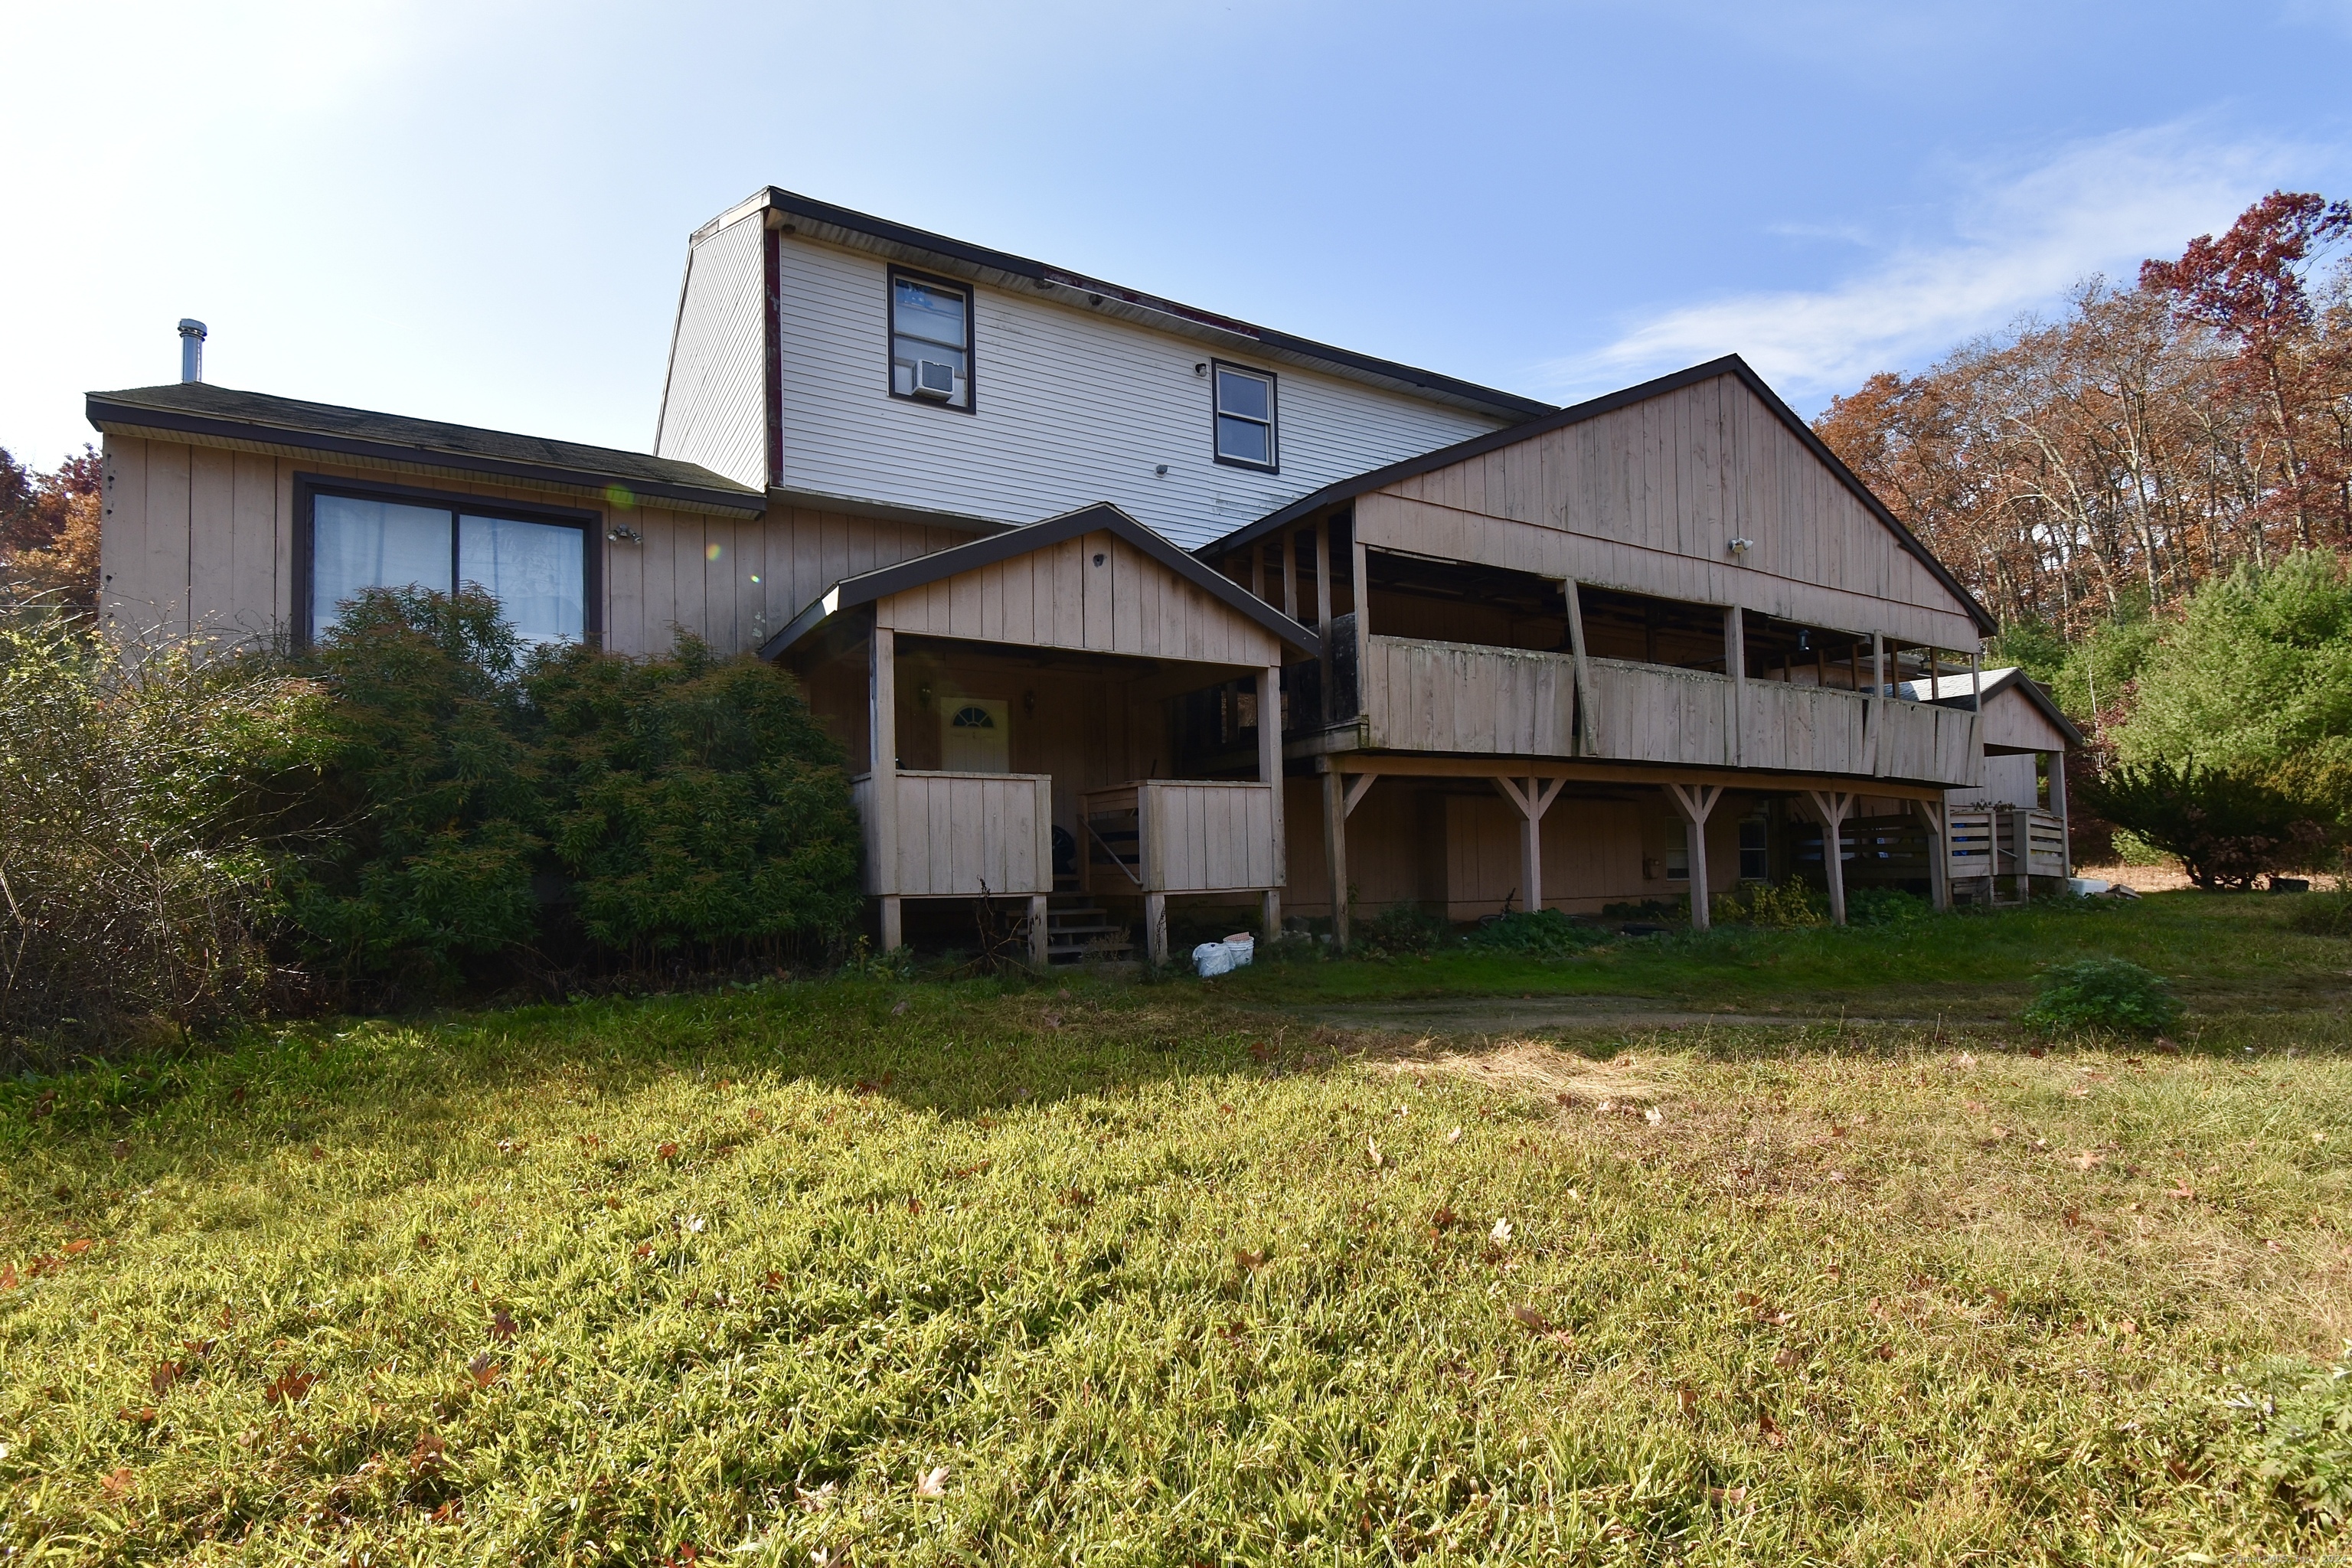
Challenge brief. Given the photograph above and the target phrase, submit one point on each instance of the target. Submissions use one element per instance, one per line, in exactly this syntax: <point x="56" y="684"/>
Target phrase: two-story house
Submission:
<point x="1104" y="592"/>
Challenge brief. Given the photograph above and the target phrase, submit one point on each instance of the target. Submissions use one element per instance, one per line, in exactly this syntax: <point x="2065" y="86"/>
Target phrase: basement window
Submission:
<point x="536" y="567"/>
<point x="1245" y="412"/>
<point x="930" y="341"/>
<point x="1755" y="848"/>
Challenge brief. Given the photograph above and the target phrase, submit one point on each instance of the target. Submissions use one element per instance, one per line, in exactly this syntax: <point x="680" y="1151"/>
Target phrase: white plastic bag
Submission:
<point x="1213" y="958"/>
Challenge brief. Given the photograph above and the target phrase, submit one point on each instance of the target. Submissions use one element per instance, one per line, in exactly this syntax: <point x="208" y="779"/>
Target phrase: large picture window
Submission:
<point x="930" y="341"/>
<point x="1245" y="418"/>
<point x="536" y="569"/>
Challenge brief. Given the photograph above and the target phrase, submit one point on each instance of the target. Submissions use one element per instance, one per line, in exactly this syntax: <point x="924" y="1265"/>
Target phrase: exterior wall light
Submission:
<point x="1742" y="546"/>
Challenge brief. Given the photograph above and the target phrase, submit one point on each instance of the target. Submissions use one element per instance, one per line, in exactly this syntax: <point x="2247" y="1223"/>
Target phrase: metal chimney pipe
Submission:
<point x="192" y="349"/>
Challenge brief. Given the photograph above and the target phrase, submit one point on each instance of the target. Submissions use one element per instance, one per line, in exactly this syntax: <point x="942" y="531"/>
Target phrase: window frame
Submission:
<point x="1273" y="420"/>
<point x="309" y="488"/>
<point x="894" y="272"/>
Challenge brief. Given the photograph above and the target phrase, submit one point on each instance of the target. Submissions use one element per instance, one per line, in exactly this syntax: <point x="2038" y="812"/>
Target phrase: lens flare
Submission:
<point x="710" y="552"/>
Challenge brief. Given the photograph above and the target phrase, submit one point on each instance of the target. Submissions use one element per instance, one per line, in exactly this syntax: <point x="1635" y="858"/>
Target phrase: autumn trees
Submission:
<point x="48" y="531"/>
<point x="2151" y="438"/>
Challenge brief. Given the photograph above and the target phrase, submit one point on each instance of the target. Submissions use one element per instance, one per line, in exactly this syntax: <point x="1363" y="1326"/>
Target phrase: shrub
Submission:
<point x="1538" y="933"/>
<point x="134" y="881"/>
<point x="2226" y="826"/>
<point x="2321" y="914"/>
<point x="1402" y="930"/>
<point x="575" y="805"/>
<point x="1884" y="906"/>
<point x="2301" y="1428"/>
<point x="2102" y="994"/>
<point x="1785" y="906"/>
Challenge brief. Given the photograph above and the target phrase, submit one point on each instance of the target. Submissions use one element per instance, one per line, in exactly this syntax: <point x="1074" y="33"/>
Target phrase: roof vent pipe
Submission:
<point x="192" y="349"/>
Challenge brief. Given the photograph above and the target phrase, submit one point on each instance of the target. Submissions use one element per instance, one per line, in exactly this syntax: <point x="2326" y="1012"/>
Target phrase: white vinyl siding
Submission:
<point x="714" y="406"/>
<point x="1073" y="407"/>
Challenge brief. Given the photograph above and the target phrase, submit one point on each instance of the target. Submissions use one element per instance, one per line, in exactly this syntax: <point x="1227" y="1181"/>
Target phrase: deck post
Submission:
<point x="1874" y="715"/>
<point x="1037" y="955"/>
<point x="1155" y="928"/>
<point x="2058" y="804"/>
<point x="1290" y="560"/>
<point x="2021" y="833"/>
<point x="1323" y="613"/>
<point x="1269" y="772"/>
<point x="1735" y="665"/>
<point x="882" y="736"/>
<point x="1833" y="805"/>
<point x="1696" y="803"/>
<point x="1588" y="713"/>
<point x="1939" y="854"/>
<point x="1531" y="804"/>
<point x="1335" y="849"/>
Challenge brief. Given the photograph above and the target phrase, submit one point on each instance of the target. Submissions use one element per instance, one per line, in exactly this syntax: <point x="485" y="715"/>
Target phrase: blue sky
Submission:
<point x="479" y="211"/>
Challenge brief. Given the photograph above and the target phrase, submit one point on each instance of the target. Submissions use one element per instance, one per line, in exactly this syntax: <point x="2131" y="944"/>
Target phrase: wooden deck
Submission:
<point x="1165" y="835"/>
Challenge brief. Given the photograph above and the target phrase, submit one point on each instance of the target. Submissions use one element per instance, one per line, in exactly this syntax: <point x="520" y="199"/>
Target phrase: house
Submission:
<point x="2010" y="826"/>
<point x="1115" y="601"/>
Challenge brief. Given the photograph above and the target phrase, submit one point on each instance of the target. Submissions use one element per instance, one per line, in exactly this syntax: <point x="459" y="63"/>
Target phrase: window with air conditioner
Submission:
<point x="930" y="341"/>
<point x="1243" y="407"/>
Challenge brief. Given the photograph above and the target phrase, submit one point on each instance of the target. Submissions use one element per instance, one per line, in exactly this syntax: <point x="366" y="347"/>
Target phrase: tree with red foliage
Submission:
<point x="2248" y="287"/>
<point x="48" y="530"/>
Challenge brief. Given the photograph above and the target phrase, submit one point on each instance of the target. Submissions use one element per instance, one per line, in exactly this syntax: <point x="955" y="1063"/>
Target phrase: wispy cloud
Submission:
<point x="2013" y="242"/>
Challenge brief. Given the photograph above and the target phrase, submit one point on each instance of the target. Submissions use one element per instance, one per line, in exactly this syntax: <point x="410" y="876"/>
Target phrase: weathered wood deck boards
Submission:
<point x="1459" y="697"/>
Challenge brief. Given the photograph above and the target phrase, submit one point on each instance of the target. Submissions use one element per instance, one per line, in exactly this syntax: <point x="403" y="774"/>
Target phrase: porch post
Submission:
<point x="1323" y="611"/>
<point x="1532" y="804"/>
<point x="1289" y="554"/>
<point x="1588" y="712"/>
<point x="1037" y="956"/>
<point x="1335" y="849"/>
<point x="1939" y="853"/>
<point x="1155" y="928"/>
<point x="1832" y="806"/>
<point x="882" y="732"/>
<point x="1360" y="599"/>
<point x="2021" y="833"/>
<point x="1875" y="713"/>
<point x="2058" y="804"/>
<point x="1269" y="772"/>
<point x="1735" y="665"/>
<point x="1696" y="803"/>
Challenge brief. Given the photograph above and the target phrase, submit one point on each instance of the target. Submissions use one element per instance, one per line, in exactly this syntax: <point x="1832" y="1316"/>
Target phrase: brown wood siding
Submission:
<point x="1648" y="498"/>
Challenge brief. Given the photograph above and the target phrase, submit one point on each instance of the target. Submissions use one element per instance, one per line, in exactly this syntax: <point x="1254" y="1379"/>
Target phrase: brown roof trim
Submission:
<point x="1052" y="279"/>
<point x="869" y="586"/>
<point x="201" y="409"/>
<point x="1577" y="414"/>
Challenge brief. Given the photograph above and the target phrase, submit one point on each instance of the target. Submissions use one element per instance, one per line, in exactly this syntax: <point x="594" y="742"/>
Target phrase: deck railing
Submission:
<point x="959" y="835"/>
<point x="1171" y="836"/>
<point x="1423" y="696"/>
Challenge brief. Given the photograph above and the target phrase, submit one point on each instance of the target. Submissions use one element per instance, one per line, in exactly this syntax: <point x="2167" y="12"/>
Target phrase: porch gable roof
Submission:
<point x="869" y="586"/>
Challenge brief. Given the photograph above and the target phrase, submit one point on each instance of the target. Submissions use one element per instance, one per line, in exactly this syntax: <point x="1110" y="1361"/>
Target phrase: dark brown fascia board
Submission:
<point x="172" y="422"/>
<point x="1577" y="414"/>
<point x="956" y="255"/>
<point x="867" y="588"/>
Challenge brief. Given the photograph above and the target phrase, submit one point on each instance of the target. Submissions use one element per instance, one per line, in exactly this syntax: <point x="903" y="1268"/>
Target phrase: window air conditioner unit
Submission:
<point x="934" y="380"/>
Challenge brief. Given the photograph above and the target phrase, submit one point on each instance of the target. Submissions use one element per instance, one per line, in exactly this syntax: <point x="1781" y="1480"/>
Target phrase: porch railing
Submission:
<point x="1179" y="835"/>
<point x="959" y="835"/>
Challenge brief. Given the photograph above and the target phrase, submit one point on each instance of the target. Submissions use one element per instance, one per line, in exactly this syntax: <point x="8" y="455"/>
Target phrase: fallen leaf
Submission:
<point x="1972" y="1105"/>
<point x="165" y="1375"/>
<point x="932" y="1483"/>
<point x="123" y="1148"/>
<point x="1455" y="1136"/>
<point x="1226" y="1108"/>
<point x="1262" y="1051"/>
<point x="2181" y="1189"/>
<point x="1884" y="1352"/>
<point x="1053" y="1020"/>
<point x="1252" y="1261"/>
<point x="142" y="1416"/>
<point x="502" y="1324"/>
<point x="1964" y="1061"/>
<point x="815" y="1501"/>
<point x="1729" y="1497"/>
<point x="1770" y="1430"/>
<point x="913" y="1206"/>
<point x="2089" y="1160"/>
<point x="117" y="1482"/>
<point x="1686" y="1400"/>
<point x="1372" y="1152"/>
<point x="1501" y="1234"/>
<point x="9" y="1280"/>
<point x="485" y="1370"/>
<point x="423" y="1244"/>
<point x="666" y="1151"/>
<point x="2126" y="1326"/>
<point x="449" y="1512"/>
<point x="290" y="1387"/>
<point x="1234" y="1331"/>
<point x="2180" y="1471"/>
<point x="1534" y="1321"/>
<point x="1653" y="1116"/>
<point x="1787" y="1356"/>
<point x="75" y="1249"/>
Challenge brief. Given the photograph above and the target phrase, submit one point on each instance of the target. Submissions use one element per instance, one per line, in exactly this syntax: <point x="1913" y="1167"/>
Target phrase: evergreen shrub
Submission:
<point x="2100" y="996"/>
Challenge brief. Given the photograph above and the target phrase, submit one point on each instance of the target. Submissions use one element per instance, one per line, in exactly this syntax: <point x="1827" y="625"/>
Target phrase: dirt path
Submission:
<point x="1496" y="1015"/>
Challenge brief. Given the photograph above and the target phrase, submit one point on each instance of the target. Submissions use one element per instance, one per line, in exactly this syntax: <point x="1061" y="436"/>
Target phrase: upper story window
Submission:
<point x="1244" y="415"/>
<point x="930" y="341"/>
<point x="536" y="567"/>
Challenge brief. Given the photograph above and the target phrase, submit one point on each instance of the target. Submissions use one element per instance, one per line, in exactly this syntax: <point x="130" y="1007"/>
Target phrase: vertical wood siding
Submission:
<point x="1202" y="837"/>
<point x="714" y="403"/>
<point x="1648" y="498"/>
<point x="962" y="834"/>
<point x="1454" y="697"/>
<point x="1096" y="593"/>
<point x="1072" y="407"/>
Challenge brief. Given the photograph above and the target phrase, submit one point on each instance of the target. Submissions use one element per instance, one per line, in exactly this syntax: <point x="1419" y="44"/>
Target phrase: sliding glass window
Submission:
<point x="537" y="570"/>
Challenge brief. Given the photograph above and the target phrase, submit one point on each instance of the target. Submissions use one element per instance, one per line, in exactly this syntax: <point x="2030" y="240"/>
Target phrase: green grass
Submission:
<point x="738" y="1271"/>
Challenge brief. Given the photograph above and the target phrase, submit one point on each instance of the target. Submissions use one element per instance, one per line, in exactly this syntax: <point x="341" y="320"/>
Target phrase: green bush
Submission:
<point x="577" y="806"/>
<point x="1401" y="930"/>
<point x="2321" y="914"/>
<point x="1786" y="907"/>
<point x="1536" y="933"/>
<point x="2225" y="826"/>
<point x="2302" y="1430"/>
<point x="1884" y="906"/>
<point x="2102" y="994"/>
<point x="134" y="882"/>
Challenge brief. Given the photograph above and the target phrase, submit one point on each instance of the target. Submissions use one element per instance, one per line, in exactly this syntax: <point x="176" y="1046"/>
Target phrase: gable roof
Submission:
<point x="841" y="225"/>
<point x="1952" y="690"/>
<point x="1577" y="414"/>
<point x="202" y="409"/>
<point x="869" y="586"/>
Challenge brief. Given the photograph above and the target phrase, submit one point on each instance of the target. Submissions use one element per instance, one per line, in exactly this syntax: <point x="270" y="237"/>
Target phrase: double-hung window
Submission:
<point x="1244" y="407"/>
<point x="537" y="569"/>
<point x="930" y="341"/>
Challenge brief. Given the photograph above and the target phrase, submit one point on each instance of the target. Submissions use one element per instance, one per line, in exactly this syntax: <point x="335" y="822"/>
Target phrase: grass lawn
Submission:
<point x="862" y="1271"/>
